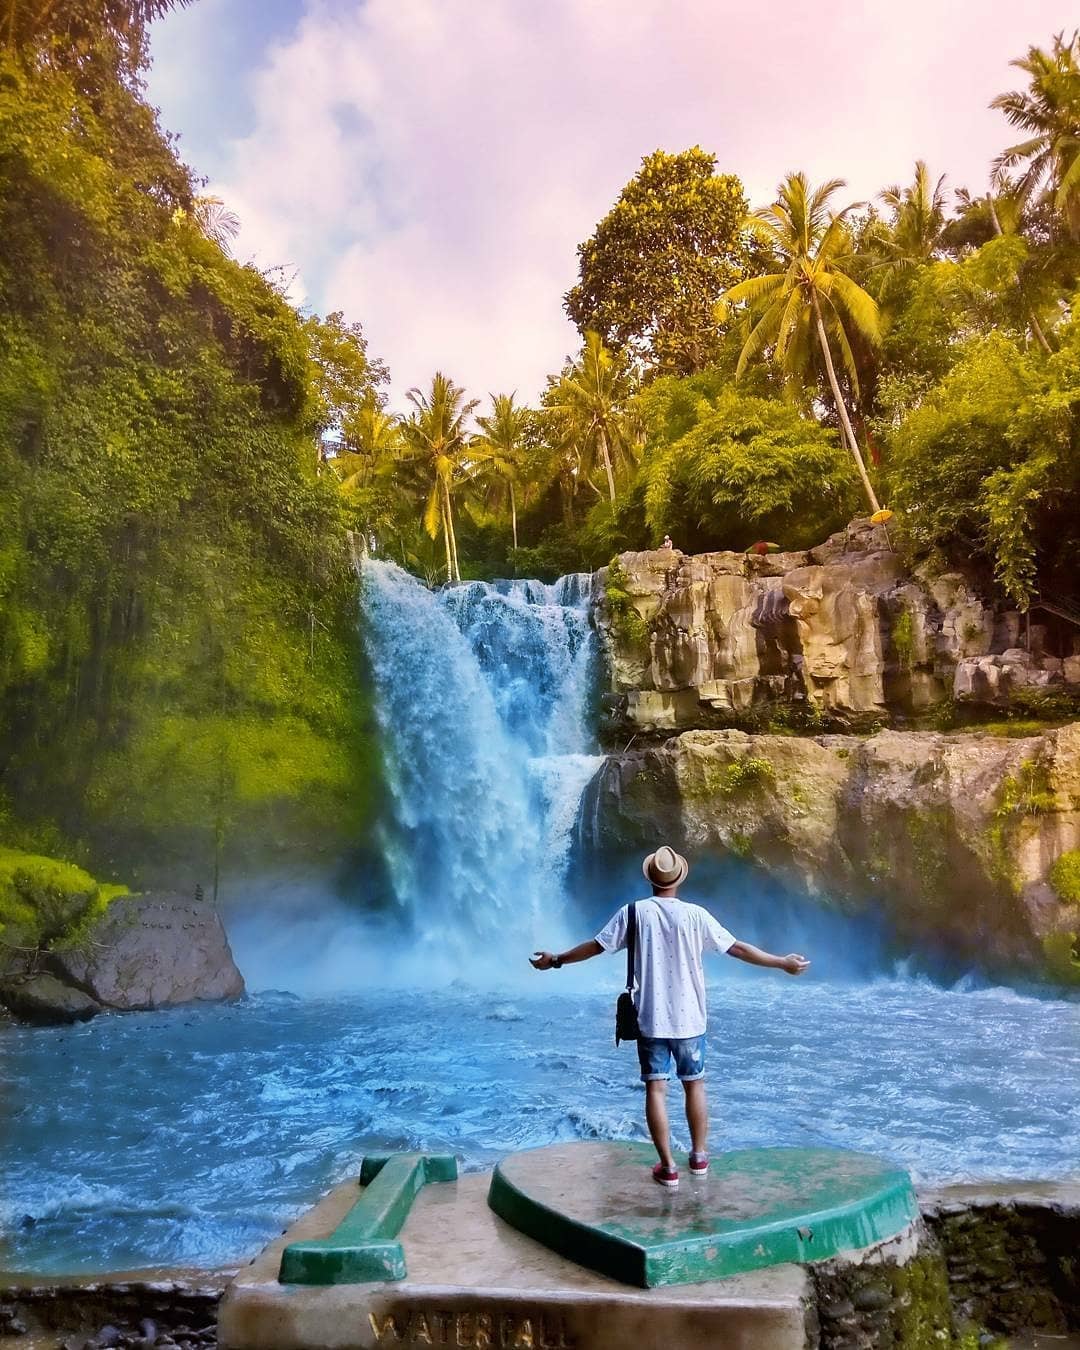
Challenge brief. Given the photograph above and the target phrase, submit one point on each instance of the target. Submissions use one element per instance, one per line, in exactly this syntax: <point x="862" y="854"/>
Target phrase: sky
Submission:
<point x="430" y="166"/>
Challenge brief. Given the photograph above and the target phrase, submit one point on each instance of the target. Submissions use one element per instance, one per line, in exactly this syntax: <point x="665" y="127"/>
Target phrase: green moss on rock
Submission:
<point x="1065" y="877"/>
<point x="626" y="623"/>
<point x="743" y="775"/>
<point x="45" y="902"/>
<point x="1062" y="953"/>
<point x="903" y="638"/>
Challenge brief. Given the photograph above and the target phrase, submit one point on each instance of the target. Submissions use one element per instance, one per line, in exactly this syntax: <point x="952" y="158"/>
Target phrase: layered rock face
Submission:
<point x="840" y="636"/>
<point x="954" y="838"/>
<point x="967" y="840"/>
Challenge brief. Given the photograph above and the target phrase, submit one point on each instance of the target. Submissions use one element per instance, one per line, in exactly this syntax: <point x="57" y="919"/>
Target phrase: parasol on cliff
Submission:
<point x="882" y="518"/>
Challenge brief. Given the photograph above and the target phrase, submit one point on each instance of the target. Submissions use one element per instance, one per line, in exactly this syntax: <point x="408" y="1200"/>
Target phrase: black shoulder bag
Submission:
<point x="626" y="1023"/>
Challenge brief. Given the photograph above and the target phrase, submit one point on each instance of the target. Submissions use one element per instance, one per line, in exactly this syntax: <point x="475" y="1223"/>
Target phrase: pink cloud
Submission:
<point x="430" y="165"/>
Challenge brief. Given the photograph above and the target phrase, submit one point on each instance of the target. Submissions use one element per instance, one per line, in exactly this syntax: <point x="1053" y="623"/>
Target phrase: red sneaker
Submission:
<point x="699" y="1164"/>
<point x="665" y="1176"/>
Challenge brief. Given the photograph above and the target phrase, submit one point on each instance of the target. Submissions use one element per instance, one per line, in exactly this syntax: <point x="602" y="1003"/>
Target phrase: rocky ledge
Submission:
<point x="146" y="951"/>
<point x="842" y="636"/>
<point x="967" y="842"/>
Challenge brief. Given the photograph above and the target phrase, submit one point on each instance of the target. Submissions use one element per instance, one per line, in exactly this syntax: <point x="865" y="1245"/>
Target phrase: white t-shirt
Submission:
<point x="671" y="937"/>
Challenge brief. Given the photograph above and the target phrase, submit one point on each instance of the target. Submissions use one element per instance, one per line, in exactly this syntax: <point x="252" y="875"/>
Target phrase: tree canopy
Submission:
<point x="650" y="276"/>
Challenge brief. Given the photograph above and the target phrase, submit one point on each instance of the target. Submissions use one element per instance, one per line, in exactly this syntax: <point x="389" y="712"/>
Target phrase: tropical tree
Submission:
<point x="1048" y="111"/>
<point x="371" y="440"/>
<point x="651" y="274"/>
<point x="589" y="401"/>
<point x="811" y="298"/>
<point x="498" y="453"/>
<point x="722" y="468"/>
<point x="68" y="30"/>
<point x="436" y="440"/>
<point x="216" y="221"/>
<point x="918" y="221"/>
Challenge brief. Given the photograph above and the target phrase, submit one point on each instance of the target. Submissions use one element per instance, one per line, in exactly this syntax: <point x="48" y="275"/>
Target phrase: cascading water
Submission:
<point x="482" y="696"/>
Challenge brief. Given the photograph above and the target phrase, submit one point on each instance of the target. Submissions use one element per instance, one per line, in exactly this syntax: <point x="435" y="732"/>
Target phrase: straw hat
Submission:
<point x="665" y="867"/>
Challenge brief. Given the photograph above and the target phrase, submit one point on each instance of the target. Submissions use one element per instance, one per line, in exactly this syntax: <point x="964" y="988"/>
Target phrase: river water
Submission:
<point x="192" y="1136"/>
<point x="410" y="1019"/>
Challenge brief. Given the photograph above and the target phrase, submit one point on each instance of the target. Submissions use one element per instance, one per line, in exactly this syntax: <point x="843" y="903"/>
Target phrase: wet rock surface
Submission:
<point x="110" y="1311"/>
<point x="1011" y="1255"/>
<point x="43" y="1000"/>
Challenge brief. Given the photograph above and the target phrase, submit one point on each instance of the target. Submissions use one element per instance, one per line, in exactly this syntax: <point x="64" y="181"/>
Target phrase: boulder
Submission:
<point x="43" y="1000"/>
<point x="152" y="951"/>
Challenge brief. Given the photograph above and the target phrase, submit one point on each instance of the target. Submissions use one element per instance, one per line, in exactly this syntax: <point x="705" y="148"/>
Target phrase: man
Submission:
<point x="670" y="997"/>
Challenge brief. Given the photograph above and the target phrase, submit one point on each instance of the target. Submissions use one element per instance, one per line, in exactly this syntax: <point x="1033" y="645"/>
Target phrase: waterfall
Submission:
<point x="482" y="698"/>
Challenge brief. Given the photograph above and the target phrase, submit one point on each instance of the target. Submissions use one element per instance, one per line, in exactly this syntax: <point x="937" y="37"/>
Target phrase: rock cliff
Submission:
<point x="966" y="843"/>
<point x="840" y="637"/>
<point x="779" y="707"/>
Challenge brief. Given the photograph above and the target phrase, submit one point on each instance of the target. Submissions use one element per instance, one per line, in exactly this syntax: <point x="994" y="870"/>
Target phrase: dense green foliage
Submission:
<point x="722" y="465"/>
<point x="176" y="599"/>
<point x="989" y="462"/>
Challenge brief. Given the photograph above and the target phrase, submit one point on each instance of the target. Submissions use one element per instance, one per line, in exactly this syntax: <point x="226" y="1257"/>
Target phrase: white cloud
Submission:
<point x="430" y="165"/>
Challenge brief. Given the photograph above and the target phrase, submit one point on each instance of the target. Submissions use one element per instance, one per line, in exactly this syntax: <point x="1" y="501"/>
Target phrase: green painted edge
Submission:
<point x="588" y="1246"/>
<point x="817" y="1235"/>
<point x="361" y="1249"/>
<point x="814" y="1236"/>
<point x="323" y="1263"/>
<point x="437" y="1166"/>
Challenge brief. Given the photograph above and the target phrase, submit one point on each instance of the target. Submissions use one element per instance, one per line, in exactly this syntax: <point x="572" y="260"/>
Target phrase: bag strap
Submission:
<point x="631" y="944"/>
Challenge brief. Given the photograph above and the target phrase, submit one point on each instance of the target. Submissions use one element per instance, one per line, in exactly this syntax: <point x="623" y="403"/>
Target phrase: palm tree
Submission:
<point x="436" y="441"/>
<point x="499" y="451"/>
<point x="589" y="399"/>
<point x="216" y="221"/>
<point x="1009" y="213"/>
<point x="810" y="298"/>
<point x="918" y="220"/>
<point x="370" y="441"/>
<point x="1049" y="112"/>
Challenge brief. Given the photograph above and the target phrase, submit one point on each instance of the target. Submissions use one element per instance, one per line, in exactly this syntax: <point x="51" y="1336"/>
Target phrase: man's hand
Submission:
<point x="542" y="961"/>
<point x="794" y="964"/>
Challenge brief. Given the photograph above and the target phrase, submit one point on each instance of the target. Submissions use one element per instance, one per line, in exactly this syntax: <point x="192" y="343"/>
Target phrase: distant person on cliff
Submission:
<point x="672" y="937"/>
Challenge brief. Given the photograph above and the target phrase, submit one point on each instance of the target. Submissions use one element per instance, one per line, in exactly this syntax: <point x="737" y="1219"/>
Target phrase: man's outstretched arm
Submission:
<point x="793" y="963"/>
<point x="550" y="961"/>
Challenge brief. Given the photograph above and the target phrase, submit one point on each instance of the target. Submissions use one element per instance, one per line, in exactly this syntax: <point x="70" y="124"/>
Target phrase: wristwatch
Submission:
<point x="556" y="963"/>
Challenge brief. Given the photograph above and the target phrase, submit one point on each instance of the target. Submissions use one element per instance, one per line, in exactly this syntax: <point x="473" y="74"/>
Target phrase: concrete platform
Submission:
<point x="473" y="1281"/>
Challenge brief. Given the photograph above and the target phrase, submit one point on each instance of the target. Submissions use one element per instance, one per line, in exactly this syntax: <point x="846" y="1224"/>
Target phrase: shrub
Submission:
<point x="1065" y="877"/>
<point x="45" y="902"/>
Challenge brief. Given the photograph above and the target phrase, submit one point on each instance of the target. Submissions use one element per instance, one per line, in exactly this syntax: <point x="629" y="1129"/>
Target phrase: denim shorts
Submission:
<point x="655" y="1056"/>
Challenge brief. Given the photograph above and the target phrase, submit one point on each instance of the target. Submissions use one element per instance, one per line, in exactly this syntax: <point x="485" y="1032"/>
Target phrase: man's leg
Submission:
<point x="697" y="1114"/>
<point x="657" y="1119"/>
